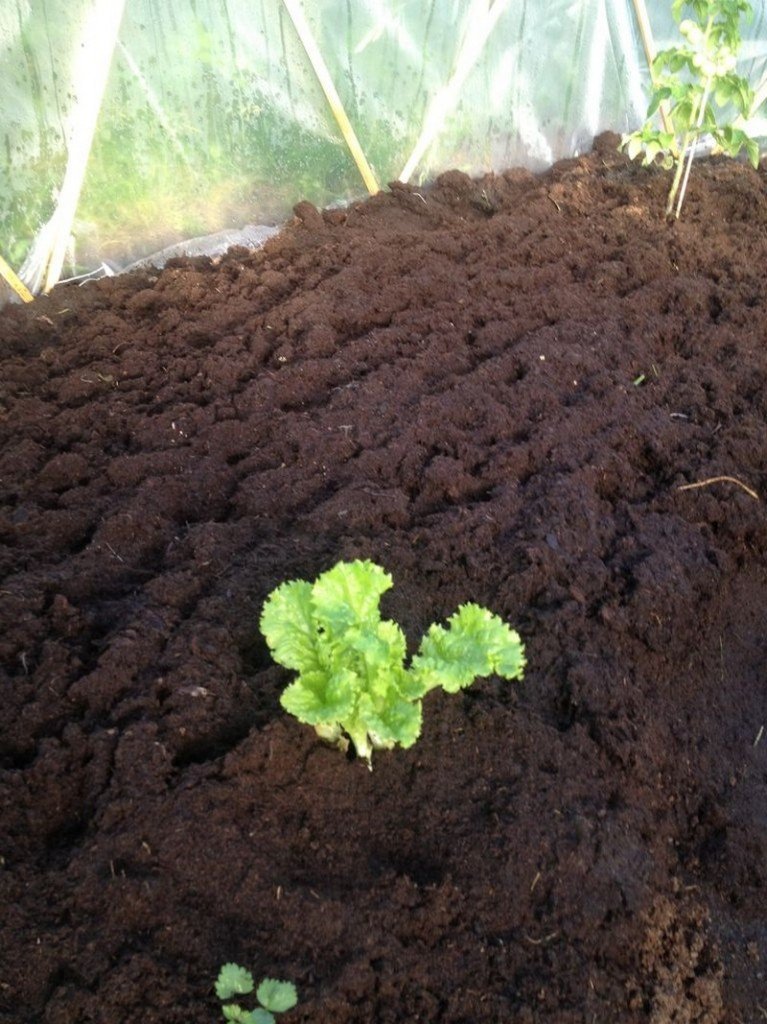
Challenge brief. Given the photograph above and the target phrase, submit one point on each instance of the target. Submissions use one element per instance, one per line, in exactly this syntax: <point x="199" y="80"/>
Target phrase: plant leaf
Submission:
<point x="322" y="697"/>
<point x="260" y="1016"/>
<point x="724" y="93"/>
<point x="233" y="980"/>
<point x="277" y="996"/>
<point x="476" y="644"/>
<point x="349" y="594"/>
<point x="395" y="721"/>
<point x="382" y="649"/>
<point x="237" y="1015"/>
<point x="661" y="94"/>
<point x="287" y="622"/>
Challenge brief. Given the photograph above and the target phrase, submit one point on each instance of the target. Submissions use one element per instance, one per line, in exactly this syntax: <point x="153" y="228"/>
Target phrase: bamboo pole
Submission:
<point x="15" y="281"/>
<point x="445" y="100"/>
<point x="309" y="44"/>
<point x="645" y="31"/>
<point x="650" y="51"/>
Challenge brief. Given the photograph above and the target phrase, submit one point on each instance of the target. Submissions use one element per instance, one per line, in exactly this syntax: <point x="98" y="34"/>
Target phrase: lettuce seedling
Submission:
<point x="353" y="683"/>
<point x="273" y="996"/>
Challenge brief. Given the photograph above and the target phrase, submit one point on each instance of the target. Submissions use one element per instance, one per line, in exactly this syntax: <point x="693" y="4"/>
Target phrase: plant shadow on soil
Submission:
<point x="449" y="384"/>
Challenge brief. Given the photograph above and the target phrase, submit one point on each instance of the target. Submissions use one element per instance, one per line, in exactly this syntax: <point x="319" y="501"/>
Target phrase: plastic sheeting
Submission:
<point x="213" y="116"/>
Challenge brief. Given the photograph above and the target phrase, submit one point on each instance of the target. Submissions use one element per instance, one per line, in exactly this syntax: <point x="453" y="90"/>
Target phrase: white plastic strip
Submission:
<point x="481" y="24"/>
<point x="89" y="83"/>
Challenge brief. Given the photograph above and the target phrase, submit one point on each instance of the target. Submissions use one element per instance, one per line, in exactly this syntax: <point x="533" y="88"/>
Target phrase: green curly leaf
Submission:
<point x="277" y="996"/>
<point x="349" y="594"/>
<point x="287" y="622"/>
<point x="260" y="1016"/>
<point x="476" y="644"/>
<point x="321" y="697"/>
<point x="238" y="1015"/>
<point x="233" y="980"/>
<point x="391" y="721"/>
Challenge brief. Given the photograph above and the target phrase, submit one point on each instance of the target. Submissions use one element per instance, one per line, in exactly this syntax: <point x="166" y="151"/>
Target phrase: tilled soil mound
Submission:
<point x="528" y="392"/>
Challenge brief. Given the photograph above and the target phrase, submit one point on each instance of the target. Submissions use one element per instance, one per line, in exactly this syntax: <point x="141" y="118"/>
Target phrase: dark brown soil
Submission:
<point x="498" y="390"/>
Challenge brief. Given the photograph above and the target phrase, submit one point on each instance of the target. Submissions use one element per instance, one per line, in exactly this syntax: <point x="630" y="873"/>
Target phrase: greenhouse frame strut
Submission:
<point x="309" y="44"/>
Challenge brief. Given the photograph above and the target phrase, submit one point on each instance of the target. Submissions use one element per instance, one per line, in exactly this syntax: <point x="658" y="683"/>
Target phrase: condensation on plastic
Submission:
<point x="214" y="117"/>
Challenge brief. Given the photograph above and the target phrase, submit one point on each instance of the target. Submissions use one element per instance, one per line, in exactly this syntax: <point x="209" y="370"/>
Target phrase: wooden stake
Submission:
<point x="650" y="51"/>
<point x="308" y="42"/>
<point x="15" y="281"/>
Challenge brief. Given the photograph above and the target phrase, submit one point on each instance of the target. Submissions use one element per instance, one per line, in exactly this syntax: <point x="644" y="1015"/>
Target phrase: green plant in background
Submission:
<point x="273" y="996"/>
<point x="352" y="678"/>
<point x="696" y="89"/>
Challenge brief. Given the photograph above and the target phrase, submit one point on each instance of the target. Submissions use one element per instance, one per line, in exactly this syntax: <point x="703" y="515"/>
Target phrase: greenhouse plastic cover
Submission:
<point x="161" y="120"/>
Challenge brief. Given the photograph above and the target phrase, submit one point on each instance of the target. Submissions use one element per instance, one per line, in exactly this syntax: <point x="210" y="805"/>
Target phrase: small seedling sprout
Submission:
<point x="272" y="996"/>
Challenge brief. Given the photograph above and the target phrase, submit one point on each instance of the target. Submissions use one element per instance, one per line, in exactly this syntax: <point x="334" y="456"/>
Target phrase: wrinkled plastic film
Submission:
<point x="213" y="117"/>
